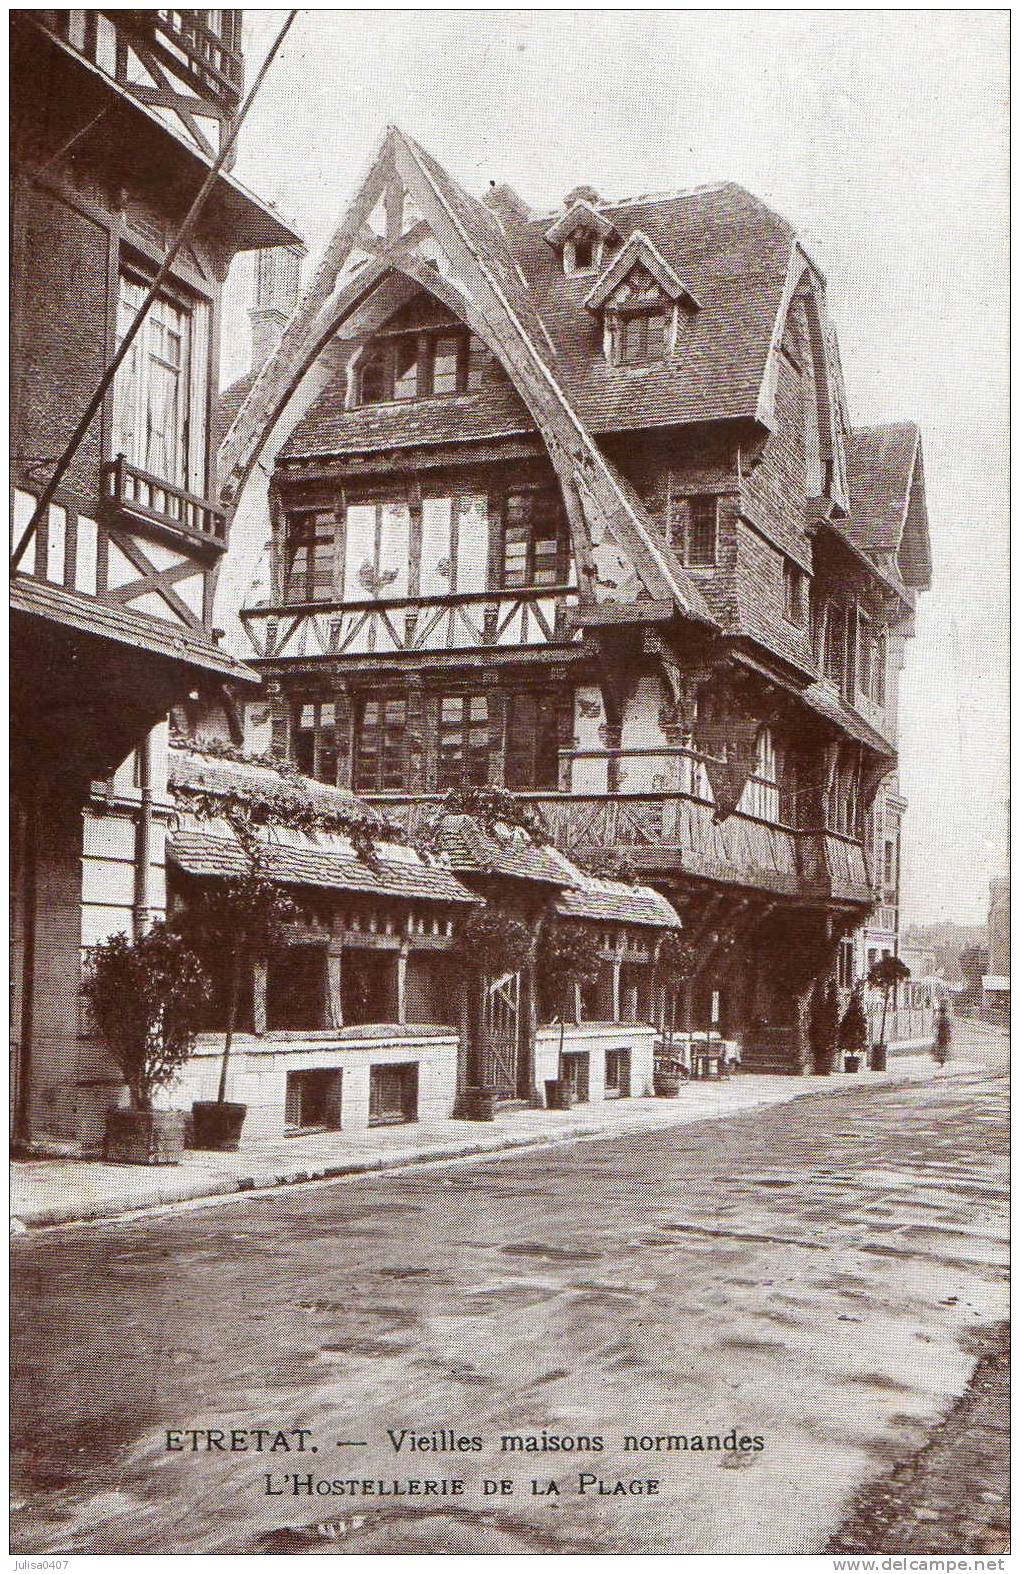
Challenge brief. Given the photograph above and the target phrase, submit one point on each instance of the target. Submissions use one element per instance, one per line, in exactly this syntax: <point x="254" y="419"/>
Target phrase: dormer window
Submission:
<point x="642" y="337"/>
<point x="643" y="305"/>
<point x="584" y="253"/>
<point x="582" y="235"/>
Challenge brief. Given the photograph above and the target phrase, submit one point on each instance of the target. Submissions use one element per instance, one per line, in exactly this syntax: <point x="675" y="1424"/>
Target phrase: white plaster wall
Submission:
<point x="642" y="730"/>
<point x="259" y="1066"/>
<point x="595" y="1038"/>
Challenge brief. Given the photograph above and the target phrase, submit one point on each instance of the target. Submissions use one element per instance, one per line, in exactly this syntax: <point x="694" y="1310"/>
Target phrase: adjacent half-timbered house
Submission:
<point x="570" y="503"/>
<point x="117" y="119"/>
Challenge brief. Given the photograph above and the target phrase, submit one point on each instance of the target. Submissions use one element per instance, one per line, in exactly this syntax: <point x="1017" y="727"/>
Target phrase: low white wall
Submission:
<point x="594" y="1039"/>
<point x="259" y="1066"/>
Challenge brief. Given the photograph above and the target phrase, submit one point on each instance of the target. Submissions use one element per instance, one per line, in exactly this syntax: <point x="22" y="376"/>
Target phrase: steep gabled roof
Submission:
<point x="888" y="514"/>
<point x="619" y="554"/>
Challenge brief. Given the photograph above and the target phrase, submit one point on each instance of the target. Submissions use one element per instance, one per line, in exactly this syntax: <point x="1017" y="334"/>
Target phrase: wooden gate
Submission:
<point x="502" y="1034"/>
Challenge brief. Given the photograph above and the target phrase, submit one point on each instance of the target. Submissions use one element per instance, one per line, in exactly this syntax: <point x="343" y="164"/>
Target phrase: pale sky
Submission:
<point x="880" y="135"/>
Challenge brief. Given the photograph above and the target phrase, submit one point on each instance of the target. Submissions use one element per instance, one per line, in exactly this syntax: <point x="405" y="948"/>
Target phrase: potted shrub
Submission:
<point x="568" y="956"/>
<point x="492" y="944"/>
<point x="145" y="998"/>
<point x="853" y="1032"/>
<point x="943" y="1036"/>
<point x="675" y="960"/>
<point x="668" y="1074"/>
<point x="887" y="973"/>
<point x="233" y="925"/>
<point x="824" y="1027"/>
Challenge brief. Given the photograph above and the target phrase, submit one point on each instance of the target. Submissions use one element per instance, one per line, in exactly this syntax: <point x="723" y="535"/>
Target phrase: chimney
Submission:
<point x="581" y="194"/>
<point x="277" y="287"/>
<point x="505" y="201"/>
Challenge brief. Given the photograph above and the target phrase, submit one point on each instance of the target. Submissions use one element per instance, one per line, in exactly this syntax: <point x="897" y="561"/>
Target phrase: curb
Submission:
<point x="223" y="1186"/>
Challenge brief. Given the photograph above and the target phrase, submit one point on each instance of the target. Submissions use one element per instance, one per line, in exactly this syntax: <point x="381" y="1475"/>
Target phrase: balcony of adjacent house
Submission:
<point x="655" y="808"/>
<point x="201" y="49"/>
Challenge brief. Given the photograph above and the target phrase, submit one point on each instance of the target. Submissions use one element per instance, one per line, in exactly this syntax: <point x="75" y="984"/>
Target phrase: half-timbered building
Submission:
<point x="571" y="503"/>
<point x="117" y="120"/>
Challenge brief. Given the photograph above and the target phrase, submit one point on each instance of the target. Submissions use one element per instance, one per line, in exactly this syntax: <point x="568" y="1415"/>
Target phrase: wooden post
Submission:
<point x="617" y="969"/>
<point x="259" y="982"/>
<point x="402" y="985"/>
<point x="334" y="984"/>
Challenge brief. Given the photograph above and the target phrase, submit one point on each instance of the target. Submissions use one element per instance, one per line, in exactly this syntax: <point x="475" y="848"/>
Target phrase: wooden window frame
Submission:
<point x="323" y="726"/>
<point x="707" y="501"/>
<point x="303" y="518"/>
<point x="640" y="318"/>
<point x="794" y="592"/>
<point x="386" y="747"/>
<point x="444" y="728"/>
<point x="383" y="350"/>
<point x="562" y="554"/>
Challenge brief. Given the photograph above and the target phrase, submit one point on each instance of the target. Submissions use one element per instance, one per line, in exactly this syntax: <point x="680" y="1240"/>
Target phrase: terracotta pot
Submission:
<point x="559" y="1094"/>
<point x="667" y="1084"/>
<point x="852" y="1063"/>
<point x="216" y="1127"/>
<point x="879" y="1057"/>
<point x="480" y="1103"/>
<point x="143" y="1136"/>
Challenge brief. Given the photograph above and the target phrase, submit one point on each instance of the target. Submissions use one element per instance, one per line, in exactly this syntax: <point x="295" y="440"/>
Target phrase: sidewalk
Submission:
<point x="69" y="1190"/>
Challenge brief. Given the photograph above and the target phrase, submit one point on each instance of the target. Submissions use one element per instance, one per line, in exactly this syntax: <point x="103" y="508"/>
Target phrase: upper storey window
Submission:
<point x="421" y="366"/>
<point x="535" y="539"/>
<point x="582" y="235"/>
<point x="161" y="390"/>
<point x="642" y="337"/>
<point x="309" y="549"/>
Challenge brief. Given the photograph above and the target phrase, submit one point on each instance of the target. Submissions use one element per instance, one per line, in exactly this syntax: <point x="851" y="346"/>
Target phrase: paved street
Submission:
<point x="818" y="1275"/>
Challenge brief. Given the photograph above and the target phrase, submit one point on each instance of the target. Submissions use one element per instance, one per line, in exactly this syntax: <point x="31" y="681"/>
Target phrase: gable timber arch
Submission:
<point x="619" y="555"/>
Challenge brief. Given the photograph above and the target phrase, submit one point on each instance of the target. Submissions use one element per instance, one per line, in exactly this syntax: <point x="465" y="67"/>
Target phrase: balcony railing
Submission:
<point x="206" y="52"/>
<point x="674" y="832"/>
<point x="148" y="497"/>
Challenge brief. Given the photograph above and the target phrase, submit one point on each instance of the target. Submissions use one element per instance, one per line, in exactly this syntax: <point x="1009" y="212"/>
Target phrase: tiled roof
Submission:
<point x="160" y="637"/>
<point x="215" y="774"/>
<point x="730" y="250"/>
<point x="207" y="854"/>
<point x="472" y="850"/>
<point x="880" y="468"/>
<point x="822" y="699"/>
<point x="613" y="901"/>
<point x="496" y="411"/>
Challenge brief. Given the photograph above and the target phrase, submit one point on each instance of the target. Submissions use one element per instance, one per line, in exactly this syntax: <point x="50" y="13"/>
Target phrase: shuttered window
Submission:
<point x="532" y="742"/>
<point x="702" y="531"/>
<point x="313" y="744"/>
<point x="380" y="760"/>
<point x="534" y="539"/>
<point x="308" y="556"/>
<point x="463" y="741"/>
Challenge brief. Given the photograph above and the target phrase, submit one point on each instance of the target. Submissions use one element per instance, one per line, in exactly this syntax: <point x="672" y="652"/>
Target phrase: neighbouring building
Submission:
<point x="995" y="983"/>
<point x="571" y="504"/>
<point x="117" y="118"/>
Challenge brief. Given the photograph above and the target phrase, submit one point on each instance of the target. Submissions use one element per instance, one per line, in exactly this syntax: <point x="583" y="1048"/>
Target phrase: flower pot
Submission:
<point x="666" y="1084"/>
<point x="480" y="1103"/>
<point x="879" y="1057"/>
<point x="852" y="1063"/>
<point x="143" y="1136"/>
<point x="559" y="1094"/>
<point x="217" y="1127"/>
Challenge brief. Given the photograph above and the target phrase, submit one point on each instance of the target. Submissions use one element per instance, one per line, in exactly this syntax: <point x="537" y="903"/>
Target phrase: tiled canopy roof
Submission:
<point x="880" y="468"/>
<point x="203" y="853"/>
<point x="613" y="901"/>
<point x="471" y="849"/>
<point x="190" y="768"/>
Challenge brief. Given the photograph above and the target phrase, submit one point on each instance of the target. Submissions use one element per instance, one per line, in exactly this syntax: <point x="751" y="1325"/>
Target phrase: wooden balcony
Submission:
<point x="148" y="498"/>
<point x="675" y="833"/>
<point x="206" y="52"/>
